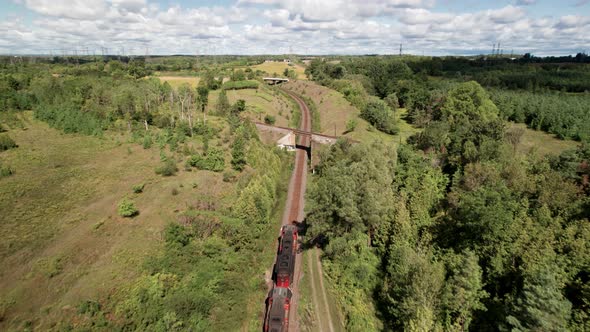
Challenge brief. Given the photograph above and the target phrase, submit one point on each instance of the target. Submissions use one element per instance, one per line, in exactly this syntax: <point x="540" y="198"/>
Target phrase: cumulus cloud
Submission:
<point x="279" y="26"/>
<point x="77" y="9"/>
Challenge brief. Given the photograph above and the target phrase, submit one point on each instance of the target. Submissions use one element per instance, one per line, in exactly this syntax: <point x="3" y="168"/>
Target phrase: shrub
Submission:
<point x="138" y="188"/>
<point x="147" y="142"/>
<point x="168" y="168"/>
<point x="269" y="119"/>
<point x="213" y="161"/>
<point x="174" y="192"/>
<point x="127" y="208"/>
<point x="351" y="125"/>
<point x="6" y="142"/>
<point x="89" y="307"/>
<point x="5" y="171"/>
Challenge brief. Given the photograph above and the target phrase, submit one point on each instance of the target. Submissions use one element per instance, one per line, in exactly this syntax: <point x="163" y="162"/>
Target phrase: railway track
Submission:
<point x="294" y="207"/>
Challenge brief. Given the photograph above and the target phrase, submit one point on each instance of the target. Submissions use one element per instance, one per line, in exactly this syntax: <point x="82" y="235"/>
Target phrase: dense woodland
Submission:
<point x="455" y="231"/>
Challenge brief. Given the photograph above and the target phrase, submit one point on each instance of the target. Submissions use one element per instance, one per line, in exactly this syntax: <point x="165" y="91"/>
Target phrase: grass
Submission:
<point x="259" y="102"/>
<point x="63" y="242"/>
<point x="542" y="142"/>
<point x="176" y="81"/>
<point x="279" y="68"/>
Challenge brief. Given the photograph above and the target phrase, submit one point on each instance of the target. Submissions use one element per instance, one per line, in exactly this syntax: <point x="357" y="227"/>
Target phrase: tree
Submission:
<point x="541" y="306"/>
<point x="202" y="98"/>
<point x="239" y="106"/>
<point x="222" y="105"/>
<point x="469" y="100"/>
<point x="392" y="101"/>
<point x="379" y="115"/>
<point x="238" y="153"/>
<point x="463" y="292"/>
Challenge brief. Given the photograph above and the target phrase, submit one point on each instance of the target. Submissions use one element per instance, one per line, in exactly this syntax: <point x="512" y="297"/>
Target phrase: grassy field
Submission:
<point x="63" y="241"/>
<point x="279" y="67"/>
<point x="259" y="102"/>
<point x="176" y="81"/>
<point x="541" y="142"/>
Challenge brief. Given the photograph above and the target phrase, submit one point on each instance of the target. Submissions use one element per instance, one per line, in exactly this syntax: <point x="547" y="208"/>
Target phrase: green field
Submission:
<point x="64" y="242"/>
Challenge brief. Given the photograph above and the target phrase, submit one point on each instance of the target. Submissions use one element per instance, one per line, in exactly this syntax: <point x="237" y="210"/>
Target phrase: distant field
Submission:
<point x="279" y="68"/>
<point x="176" y="81"/>
<point x="542" y="142"/>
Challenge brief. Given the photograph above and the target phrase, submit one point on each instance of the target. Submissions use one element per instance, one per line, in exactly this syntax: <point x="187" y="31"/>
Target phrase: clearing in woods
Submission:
<point x="540" y="141"/>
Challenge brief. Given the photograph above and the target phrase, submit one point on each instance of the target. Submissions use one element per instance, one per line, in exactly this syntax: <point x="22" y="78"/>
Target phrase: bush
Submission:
<point x="213" y="161"/>
<point x="147" y="142"/>
<point x="127" y="208"/>
<point x="351" y="125"/>
<point x="168" y="168"/>
<point x="269" y="119"/>
<point x="138" y="189"/>
<point x="6" y="142"/>
<point x="5" y="171"/>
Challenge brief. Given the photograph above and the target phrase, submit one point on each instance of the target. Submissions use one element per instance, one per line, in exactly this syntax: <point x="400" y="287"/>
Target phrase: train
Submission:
<point x="279" y="298"/>
<point x="277" y="310"/>
<point x="287" y="251"/>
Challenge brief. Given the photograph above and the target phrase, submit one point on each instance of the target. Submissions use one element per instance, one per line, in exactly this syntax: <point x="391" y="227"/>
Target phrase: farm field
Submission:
<point x="279" y="67"/>
<point x="176" y="81"/>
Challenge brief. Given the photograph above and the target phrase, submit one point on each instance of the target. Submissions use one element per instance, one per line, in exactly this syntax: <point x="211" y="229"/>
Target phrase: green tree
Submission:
<point x="463" y="292"/>
<point x="222" y="105"/>
<point x="377" y="113"/>
<point x="392" y="101"/>
<point x="469" y="101"/>
<point x="202" y="98"/>
<point x="238" y="153"/>
<point x="238" y="107"/>
<point x="541" y="306"/>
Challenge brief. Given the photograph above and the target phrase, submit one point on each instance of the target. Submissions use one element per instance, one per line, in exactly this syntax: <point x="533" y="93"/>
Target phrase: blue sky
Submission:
<point x="436" y="27"/>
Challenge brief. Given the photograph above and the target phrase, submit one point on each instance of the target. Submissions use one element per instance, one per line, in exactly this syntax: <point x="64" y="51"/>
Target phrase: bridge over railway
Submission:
<point x="290" y="134"/>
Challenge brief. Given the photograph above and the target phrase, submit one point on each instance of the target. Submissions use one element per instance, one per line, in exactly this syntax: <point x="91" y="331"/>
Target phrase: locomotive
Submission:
<point x="279" y="299"/>
<point x="277" y="313"/>
<point x="285" y="264"/>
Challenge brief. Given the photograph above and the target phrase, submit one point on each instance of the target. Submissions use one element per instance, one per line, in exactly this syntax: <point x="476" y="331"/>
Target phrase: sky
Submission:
<point x="430" y="27"/>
